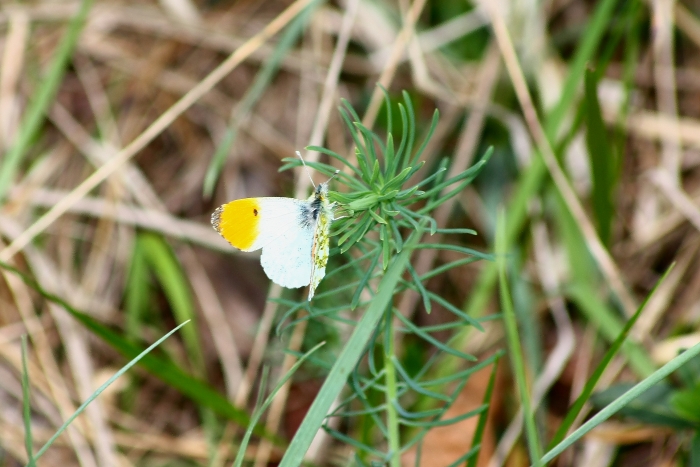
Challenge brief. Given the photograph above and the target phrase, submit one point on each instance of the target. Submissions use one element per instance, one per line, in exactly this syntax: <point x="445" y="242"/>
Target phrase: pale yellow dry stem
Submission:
<point x="97" y="269"/>
<point x="309" y="76"/>
<point x="13" y="332"/>
<point x="678" y="198"/>
<point x="687" y="22"/>
<point x="656" y="127"/>
<point x="98" y="153"/>
<point x="257" y="356"/>
<point x="665" y="80"/>
<point x="135" y="443"/>
<point x="10" y="75"/>
<point x="431" y="40"/>
<point x="114" y="163"/>
<point x="11" y="67"/>
<point x="279" y="403"/>
<point x="583" y="362"/>
<point x="149" y="219"/>
<point x="668" y="349"/>
<point x="270" y="137"/>
<point x="161" y="221"/>
<point x="329" y="96"/>
<point x="450" y="83"/>
<point x="13" y="439"/>
<point x="77" y="348"/>
<point x="97" y="97"/>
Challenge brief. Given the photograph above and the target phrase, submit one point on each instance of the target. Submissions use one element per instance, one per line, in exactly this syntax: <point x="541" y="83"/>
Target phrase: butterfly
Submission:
<point x="293" y="234"/>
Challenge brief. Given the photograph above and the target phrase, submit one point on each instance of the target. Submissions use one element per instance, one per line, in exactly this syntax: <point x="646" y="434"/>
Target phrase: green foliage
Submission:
<point x="394" y="379"/>
<point x="384" y="215"/>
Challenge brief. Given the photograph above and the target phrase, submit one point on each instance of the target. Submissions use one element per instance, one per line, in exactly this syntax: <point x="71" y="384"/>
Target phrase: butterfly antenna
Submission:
<point x="337" y="171"/>
<point x="307" y="169"/>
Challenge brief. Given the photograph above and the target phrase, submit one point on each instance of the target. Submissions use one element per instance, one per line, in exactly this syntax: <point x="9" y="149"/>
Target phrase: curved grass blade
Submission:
<point x="258" y="413"/>
<point x="99" y="390"/>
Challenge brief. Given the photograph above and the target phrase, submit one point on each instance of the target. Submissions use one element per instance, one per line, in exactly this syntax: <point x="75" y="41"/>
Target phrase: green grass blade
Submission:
<point x="43" y="99"/>
<point x="531" y="180"/>
<point x="586" y="270"/>
<point x="99" y="390"/>
<point x="595" y="29"/>
<point x="197" y="390"/>
<point x="240" y="456"/>
<point x="653" y="407"/>
<point x="469" y="456"/>
<point x="138" y="292"/>
<point x="601" y="158"/>
<point x="27" y="406"/>
<point x="612" y="408"/>
<point x="695" y="450"/>
<point x="483" y="418"/>
<point x="516" y="356"/>
<point x="168" y="271"/>
<point x="609" y="324"/>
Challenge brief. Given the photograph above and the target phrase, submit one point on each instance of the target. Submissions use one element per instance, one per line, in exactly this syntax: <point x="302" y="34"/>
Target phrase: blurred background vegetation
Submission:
<point x="124" y="124"/>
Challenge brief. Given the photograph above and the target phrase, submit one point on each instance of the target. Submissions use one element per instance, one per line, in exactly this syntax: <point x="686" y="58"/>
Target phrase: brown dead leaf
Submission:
<point x="444" y="445"/>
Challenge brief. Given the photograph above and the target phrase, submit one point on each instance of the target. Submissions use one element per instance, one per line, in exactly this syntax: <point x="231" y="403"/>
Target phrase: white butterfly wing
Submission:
<point x="286" y="241"/>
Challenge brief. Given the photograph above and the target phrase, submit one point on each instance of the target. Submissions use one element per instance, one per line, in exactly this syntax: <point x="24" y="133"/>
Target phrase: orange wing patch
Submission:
<point x="238" y="222"/>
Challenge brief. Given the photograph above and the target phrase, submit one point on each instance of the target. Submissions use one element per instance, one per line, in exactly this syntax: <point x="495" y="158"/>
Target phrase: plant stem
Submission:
<point x="391" y="391"/>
